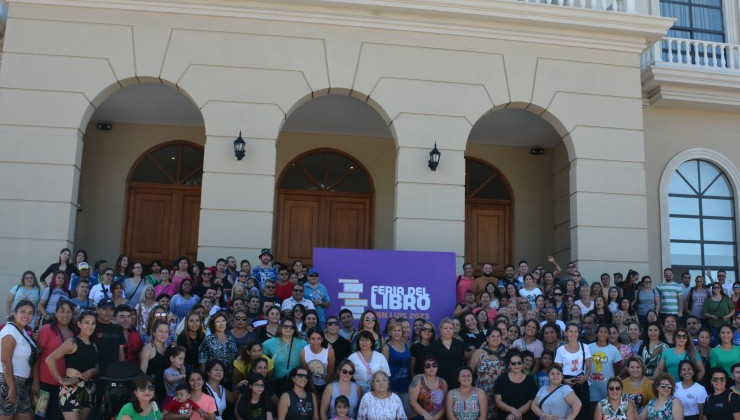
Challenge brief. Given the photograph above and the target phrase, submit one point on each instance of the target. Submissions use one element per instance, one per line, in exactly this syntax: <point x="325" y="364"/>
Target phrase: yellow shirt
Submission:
<point x="245" y="370"/>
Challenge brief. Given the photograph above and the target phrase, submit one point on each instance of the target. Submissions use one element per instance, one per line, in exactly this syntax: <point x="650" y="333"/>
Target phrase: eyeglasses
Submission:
<point x="258" y="385"/>
<point x="301" y="376"/>
<point x="146" y="388"/>
<point x="332" y="323"/>
<point x="684" y="336"/>
<point x="430" y="365"/>
<point x="427" y="329"/>
<point x="719" y="379"/>
<point x="665" y="386"/>
<point x="615" y="388"/>
<point x="347" y="372"/>
<point x="515" y="363"/>
<point x="160" y="314"/>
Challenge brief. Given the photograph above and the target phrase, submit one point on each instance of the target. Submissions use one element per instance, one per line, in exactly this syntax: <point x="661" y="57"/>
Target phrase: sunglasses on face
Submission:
<point x="145" y="388"/>
<point x="301" y="376"/>
<point x="348" y="372"/>
<point x="298" y="290"/>
<point x="615" y="388"/>
<point x="332" y="323"/>
<point x="269" y="287"/>
<point x="240" y="318"/>
<point x="684" y="336"/>
<point x="718" y="379"/>
<point x="427" y="329"/>
<point x="288" y="327"/>
<point x="515" y="363"/>
<point x="430" y="365"/>
<point x="665" y="386"/>
<point x="557" y="294"/>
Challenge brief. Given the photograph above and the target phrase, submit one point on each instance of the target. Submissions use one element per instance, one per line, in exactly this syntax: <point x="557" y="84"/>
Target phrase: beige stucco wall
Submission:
<point x="376" y="154"/>
<point x="429" y="73"/>
<point x="669" y="131"/>
<point x="107" y="158"/>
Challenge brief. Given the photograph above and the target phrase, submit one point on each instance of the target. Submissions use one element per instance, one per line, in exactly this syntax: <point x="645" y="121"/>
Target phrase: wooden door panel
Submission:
<point x="488" y="236"/>
<point x="189" y="222"/>
<point x="149" y="224"/>
<point x="299" y="225"/>
<point x="348" y="223"/>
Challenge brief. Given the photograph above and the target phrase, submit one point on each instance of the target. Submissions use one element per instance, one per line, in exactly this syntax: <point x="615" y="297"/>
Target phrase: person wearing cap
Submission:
<point x="108" y="336"/>
<point x="264" y="270"/>
<point x="103" y="289"/>
<point x="317" y="293"/>
<point x="83" y="272"/>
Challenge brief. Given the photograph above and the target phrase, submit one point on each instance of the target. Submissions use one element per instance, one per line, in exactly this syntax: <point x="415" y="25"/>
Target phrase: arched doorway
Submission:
<point x="488" y="216"/>
<point x="324" y="199"/>
<point x="163" y="202"/>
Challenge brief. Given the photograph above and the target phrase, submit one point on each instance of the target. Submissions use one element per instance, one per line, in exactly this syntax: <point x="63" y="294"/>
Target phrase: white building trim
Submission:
<point x="724" y="164"/>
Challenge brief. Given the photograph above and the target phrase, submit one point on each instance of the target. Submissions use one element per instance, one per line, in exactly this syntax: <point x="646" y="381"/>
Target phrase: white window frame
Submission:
<point x="721" y="162"/>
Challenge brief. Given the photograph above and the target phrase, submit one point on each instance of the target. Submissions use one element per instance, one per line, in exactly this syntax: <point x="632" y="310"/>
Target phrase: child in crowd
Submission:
<point x="341" y="406"/>
<point x="541" y="377"/>
<point x="528" y="361"/>
<point x="182" y="404"/>
<point x="175" y="374"/>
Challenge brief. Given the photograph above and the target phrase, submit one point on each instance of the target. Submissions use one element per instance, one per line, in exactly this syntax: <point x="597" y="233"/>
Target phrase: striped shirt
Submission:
<point x="669" y="293"/>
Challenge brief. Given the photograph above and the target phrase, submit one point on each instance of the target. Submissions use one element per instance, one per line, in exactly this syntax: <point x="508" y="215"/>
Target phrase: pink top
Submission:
<point x="463" y="286"/>
<point x="50" y="340"/>
<point x="170" y="289"/>
<point x="207" y="403"/>
<point x="177" y="279"/>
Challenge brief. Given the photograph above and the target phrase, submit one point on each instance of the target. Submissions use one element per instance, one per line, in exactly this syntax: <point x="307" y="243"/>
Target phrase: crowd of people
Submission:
<point x="237" y="342"/>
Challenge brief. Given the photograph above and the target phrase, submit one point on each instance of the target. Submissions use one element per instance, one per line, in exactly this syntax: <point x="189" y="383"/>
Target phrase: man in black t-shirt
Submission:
<point x="108" y="337"/>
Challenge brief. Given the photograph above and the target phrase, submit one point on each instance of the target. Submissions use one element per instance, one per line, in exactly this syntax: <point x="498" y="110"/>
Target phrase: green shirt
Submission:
<point x="128" y="410"/>
<point x="724" y="358"/>
<point x="718" y="309"/>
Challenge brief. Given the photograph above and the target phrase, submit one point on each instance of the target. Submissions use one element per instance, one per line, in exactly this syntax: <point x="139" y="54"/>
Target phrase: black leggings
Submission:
<point x="583" y="394"/>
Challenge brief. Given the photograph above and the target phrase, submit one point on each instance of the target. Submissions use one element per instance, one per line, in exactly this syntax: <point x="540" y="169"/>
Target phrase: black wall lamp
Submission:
<point x="434" y="157"/>
<point x="239" y="147"/>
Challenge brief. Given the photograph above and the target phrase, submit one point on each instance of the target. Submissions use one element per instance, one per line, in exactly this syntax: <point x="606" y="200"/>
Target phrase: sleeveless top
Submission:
<point x="488" y="372"/>
<point x="665" y="413"/>
<point x="300" y="408"/>
<point x="220" y="401"/>
<point x="155" y="369"/>
<point x="399" y="363"/>
<point x="467" y="409"/>
<point x="85" y="358"/>
<point x="608" y="413"/>
<point x="318" y="364"/>
<point x="354" y="400"/>
<point x="431" y="400"/>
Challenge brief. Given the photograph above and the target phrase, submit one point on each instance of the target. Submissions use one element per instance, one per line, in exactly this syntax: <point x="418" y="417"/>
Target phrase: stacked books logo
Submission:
<point x="350" y="295"/>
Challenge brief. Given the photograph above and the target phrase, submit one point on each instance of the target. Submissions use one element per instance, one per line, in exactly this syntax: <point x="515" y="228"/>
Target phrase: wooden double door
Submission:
<point x="308" y="221"/>
<point x="162" y="222"/>
<point x="488" y="235"/>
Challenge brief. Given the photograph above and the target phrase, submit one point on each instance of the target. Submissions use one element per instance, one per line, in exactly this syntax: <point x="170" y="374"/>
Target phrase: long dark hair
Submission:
<point x="117" y="268"/>
<point x="243" y="406"/>
<point x="54" y="323"/>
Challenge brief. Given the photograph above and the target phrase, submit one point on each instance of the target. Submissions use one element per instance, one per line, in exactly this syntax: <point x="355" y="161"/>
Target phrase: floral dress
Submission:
<point x="213" y="349"/>
<point x="608" y="413"/>
<point x="488" y="371"/>
<point x="665" y="413"/>
<point x="467" y="409"/>
<point x="432" y="400"/>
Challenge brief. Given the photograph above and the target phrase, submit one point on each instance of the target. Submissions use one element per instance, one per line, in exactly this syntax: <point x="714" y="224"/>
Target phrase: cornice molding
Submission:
<point x="685" y="87"/>
<point x="501" y="19"/>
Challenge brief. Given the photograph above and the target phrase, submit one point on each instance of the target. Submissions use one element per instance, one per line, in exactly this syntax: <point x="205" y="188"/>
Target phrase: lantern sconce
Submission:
<point x="434" y="157"/>
<point x="239" y="144"/>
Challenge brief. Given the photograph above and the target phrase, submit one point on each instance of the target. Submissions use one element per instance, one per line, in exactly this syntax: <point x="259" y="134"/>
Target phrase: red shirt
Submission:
<point x="284" y="291"/>
<point x="181" y="408"/>
<point x="50" y="339"/>
<point x="132" y="348"/>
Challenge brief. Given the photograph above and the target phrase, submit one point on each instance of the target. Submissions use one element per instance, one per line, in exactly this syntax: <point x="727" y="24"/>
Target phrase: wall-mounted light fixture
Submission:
<point x="434" y="157"/>
<point x="239" y="144"/>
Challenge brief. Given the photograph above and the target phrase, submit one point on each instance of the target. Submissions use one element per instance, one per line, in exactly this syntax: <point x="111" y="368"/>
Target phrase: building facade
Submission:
<point x="598" y="131"/>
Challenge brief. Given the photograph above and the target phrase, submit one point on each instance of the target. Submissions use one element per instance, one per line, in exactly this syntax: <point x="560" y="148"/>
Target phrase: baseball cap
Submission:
<point x="106" y="303"/>
<point x="83" y="266"/>
<point x="312" y="272"/>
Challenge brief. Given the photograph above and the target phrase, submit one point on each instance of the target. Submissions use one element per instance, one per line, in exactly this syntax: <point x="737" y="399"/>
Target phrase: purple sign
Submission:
<point x="411" y="284"/>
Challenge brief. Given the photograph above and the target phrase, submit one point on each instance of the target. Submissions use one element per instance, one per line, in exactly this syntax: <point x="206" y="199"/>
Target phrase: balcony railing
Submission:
<point x="694" y="54"/>
<point x="627" y="6"/>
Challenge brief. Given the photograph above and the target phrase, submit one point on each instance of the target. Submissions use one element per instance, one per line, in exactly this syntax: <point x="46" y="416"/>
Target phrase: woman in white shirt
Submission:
<point x="691" y="393"/>
<point x="573" y="357"/>
<point x="367" y="361"/>
<point x="19" y="354"/>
